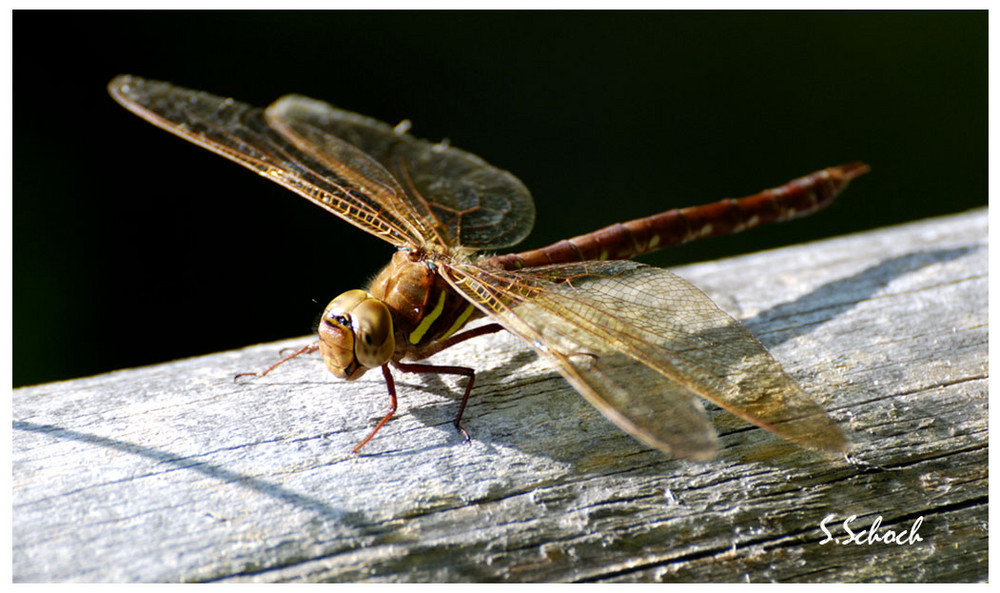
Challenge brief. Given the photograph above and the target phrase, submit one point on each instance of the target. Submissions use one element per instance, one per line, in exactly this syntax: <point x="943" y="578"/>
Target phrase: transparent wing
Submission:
<point x="336" y="176"/>
<point x="468" y="201"/>
<point x="643" y="345"/>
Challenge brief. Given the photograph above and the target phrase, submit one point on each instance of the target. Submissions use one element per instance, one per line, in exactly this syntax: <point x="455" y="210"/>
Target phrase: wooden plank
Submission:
<point x="175" y="473"/>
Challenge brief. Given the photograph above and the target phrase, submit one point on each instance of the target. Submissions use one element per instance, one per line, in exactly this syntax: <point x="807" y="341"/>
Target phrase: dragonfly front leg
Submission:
<point x="307" y="349"/>
<point x="391" y="385"/>
<point x="447" y="370"/>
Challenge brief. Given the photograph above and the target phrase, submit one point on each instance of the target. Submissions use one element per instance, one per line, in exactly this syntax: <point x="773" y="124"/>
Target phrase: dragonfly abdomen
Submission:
<point x="796" y="198"/>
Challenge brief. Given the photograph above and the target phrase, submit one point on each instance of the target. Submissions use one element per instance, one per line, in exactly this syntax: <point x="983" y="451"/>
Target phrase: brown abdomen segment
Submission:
<point x="798" y="197"/>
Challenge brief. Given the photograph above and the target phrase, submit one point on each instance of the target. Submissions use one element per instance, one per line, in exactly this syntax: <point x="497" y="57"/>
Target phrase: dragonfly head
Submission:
<point x="356" y="334"/>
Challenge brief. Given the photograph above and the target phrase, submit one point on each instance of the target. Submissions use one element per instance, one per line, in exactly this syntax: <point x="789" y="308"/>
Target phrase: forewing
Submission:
<point x="642" y="345"/>
<point x="470" y="202"/>
<point x="357" y="189"/>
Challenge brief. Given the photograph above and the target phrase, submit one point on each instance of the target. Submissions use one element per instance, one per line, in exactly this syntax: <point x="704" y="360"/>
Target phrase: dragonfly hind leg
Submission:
<point x="440" y="345"/>
<point x="446" y="370"/>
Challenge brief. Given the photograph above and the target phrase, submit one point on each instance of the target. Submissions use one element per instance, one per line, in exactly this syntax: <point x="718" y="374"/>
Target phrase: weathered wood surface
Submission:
<point x="175" y="473"/>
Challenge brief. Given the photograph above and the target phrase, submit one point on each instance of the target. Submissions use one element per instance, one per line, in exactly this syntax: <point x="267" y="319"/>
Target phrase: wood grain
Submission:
<point x="175" y="473"/>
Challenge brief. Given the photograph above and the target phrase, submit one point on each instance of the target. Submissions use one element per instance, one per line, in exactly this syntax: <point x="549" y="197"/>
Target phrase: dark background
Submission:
<point x="132" y="246"/>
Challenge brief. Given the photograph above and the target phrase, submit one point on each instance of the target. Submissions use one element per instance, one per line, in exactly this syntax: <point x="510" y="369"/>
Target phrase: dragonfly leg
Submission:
<point x="482" y="330"/>
<point x="448" y="370"/>
<point x="391" y="385"/>
<point x="307" y="349"/>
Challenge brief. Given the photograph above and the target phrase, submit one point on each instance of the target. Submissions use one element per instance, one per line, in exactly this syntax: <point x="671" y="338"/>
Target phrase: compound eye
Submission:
<point x="336" y="335"/>
<point x="340" y="308"/>
<point x="356" y="334"/>
<point x="374" y="340"/>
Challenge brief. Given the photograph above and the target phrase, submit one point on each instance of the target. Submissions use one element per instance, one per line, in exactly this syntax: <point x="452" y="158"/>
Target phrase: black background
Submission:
<point x="131" y="246"/>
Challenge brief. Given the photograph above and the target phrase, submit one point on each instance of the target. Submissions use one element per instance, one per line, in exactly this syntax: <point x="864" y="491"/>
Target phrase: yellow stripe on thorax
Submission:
<point x="425" y="324"/>
<point x="460" y="321"/>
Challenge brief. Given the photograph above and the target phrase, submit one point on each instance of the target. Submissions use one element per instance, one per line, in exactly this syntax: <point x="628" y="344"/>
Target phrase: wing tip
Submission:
<point x="120" y="83"/>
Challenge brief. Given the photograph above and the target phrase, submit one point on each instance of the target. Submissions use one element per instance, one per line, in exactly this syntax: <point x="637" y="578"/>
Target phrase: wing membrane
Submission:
<point x="470" y="202"/>
<point x="642" y="345"/>
<point x="360" y="190"/>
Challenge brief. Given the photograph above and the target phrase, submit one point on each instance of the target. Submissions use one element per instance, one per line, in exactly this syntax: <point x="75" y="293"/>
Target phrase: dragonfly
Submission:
<point x="642" y="345"/>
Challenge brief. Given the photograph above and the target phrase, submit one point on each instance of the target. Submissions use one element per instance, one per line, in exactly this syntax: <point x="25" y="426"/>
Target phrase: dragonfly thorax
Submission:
<point x="356" y="334"/>
<point x="424" y="308"/>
